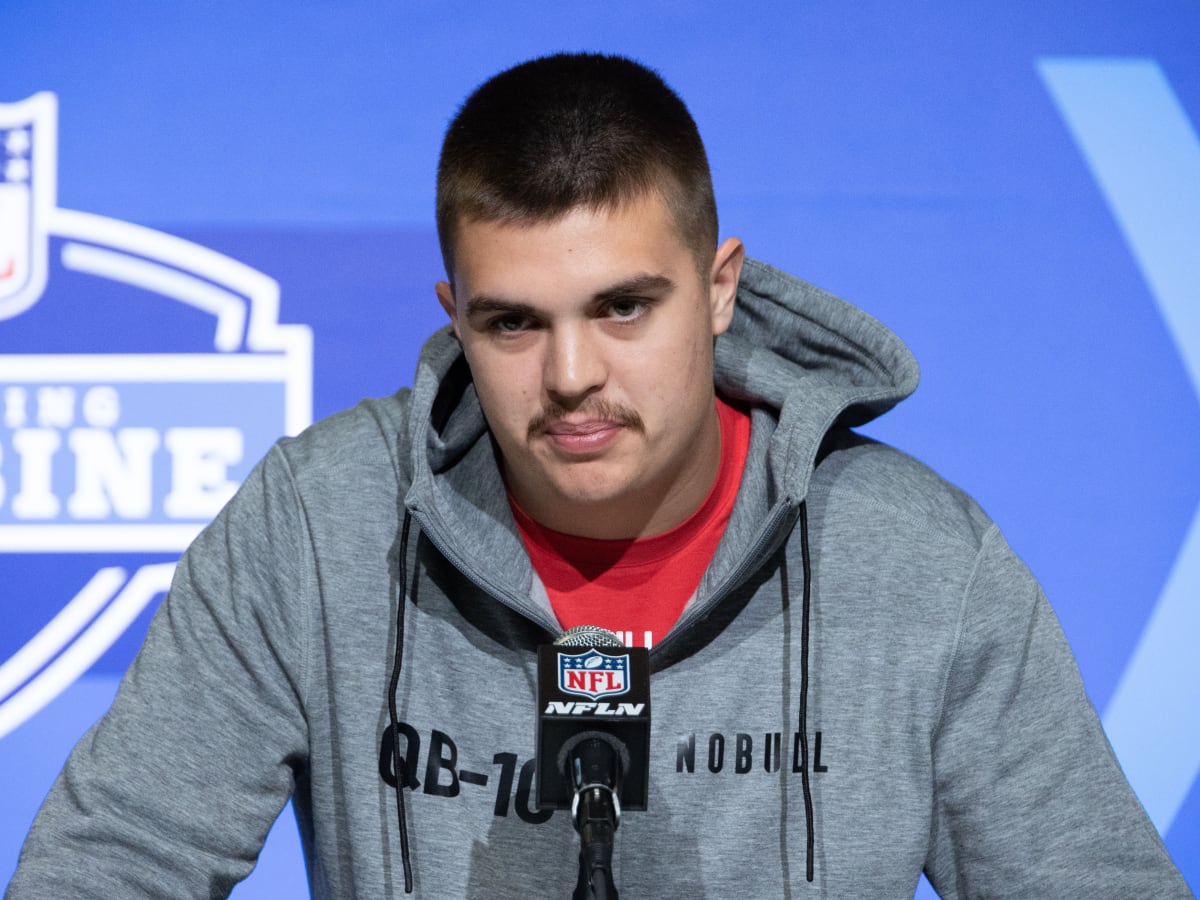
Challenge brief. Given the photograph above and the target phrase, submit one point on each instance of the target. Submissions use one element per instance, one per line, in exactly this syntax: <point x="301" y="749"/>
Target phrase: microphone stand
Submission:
<point x="596" y="811"/>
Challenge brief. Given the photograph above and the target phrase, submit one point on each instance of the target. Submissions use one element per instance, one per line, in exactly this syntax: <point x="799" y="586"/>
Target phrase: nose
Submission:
<point x="574" y="365"/>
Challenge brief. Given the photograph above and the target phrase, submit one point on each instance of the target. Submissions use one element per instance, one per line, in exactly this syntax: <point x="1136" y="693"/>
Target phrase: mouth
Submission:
<point x="587" y="430"/>
<point x="577" y="438"/>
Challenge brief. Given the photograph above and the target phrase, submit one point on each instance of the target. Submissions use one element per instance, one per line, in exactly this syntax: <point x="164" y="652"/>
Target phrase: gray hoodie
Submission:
<point x="866" y="684"/>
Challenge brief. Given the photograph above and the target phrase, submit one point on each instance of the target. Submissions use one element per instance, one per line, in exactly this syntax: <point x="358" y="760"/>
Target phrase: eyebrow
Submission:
<point x="477" y="306"/>
<point x="631" y="287"/>
<point x="640" y="284"/>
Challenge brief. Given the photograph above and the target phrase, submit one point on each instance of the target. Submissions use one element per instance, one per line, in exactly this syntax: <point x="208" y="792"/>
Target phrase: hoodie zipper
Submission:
<point x="534" y="615"/>
<point x="749" y="561"/>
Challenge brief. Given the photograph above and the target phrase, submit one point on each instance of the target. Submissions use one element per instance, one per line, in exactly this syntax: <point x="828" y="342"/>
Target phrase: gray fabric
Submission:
<point x="954" y="731"/>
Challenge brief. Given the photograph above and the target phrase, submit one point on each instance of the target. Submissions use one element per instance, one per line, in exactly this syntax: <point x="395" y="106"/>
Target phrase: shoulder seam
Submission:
<point x="306" y="580"/>
<point x="989" y="537"/>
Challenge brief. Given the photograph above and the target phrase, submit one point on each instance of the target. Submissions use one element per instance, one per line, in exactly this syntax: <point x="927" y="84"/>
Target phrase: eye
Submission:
<point x="510" y="323"/>
<point x="626" y="309"/>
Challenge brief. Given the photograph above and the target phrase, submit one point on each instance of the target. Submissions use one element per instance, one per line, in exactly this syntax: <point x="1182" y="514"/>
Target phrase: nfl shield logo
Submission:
<point x="593" y="674"/>
<point x="27" y="196"/>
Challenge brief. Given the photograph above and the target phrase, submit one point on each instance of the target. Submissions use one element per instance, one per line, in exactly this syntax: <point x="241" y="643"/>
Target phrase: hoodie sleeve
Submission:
<point x="173" y="792"/>
<point x="1029" y="800"/>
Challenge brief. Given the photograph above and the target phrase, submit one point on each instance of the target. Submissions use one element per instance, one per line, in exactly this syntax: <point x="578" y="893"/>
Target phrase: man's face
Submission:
<point x="590" y="343"/>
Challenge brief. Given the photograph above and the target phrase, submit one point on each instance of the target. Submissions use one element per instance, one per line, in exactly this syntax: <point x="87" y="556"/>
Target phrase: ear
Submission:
<point x="445" y="295"/>
<point x="726" y="270"/>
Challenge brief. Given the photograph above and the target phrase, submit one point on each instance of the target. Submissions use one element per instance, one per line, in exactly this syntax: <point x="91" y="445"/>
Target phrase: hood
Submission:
<point x="812" y="361"/>
<point x="788" y="335"/>
<point x="800" y="358"/>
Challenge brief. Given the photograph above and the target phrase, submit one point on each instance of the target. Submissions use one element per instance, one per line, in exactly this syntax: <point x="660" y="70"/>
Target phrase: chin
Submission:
<point x="593" y="493"/>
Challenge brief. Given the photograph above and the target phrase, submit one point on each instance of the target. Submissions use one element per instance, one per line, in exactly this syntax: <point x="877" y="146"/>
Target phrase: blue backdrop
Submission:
<point x="216" y="225"/>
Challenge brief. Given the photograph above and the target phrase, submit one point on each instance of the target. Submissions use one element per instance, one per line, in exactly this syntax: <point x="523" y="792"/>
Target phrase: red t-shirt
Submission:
<point x="638" y="587"/>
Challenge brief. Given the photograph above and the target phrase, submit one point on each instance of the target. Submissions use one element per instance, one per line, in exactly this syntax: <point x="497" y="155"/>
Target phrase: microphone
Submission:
<point x="593" y="741"/>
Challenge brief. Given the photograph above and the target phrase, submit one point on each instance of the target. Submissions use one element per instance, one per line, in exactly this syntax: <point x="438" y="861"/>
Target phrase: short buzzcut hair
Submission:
<point x="570" y="130"/>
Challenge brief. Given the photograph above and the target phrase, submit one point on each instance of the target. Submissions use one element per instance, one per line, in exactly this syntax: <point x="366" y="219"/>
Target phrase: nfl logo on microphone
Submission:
<point x="593" y="674"/>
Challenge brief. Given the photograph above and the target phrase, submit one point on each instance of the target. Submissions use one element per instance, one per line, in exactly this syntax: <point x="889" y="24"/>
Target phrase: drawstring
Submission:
<point x="808" y="802"/>
<point x="395" y="718"/>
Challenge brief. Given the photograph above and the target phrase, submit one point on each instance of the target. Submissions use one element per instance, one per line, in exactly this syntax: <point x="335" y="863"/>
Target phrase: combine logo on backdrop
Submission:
<point x="593" y="674"/>
<point x="104" y="451"/>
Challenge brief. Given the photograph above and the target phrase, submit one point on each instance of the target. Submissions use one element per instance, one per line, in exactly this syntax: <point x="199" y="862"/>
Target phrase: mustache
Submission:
<point x="597" y="410"/>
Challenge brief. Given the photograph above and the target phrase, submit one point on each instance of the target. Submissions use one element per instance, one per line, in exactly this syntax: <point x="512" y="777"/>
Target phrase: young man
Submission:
<point x="854" y="678"/>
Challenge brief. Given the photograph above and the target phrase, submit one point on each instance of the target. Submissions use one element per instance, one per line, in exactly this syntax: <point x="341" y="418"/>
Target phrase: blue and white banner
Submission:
<point x="216" y="225"/>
